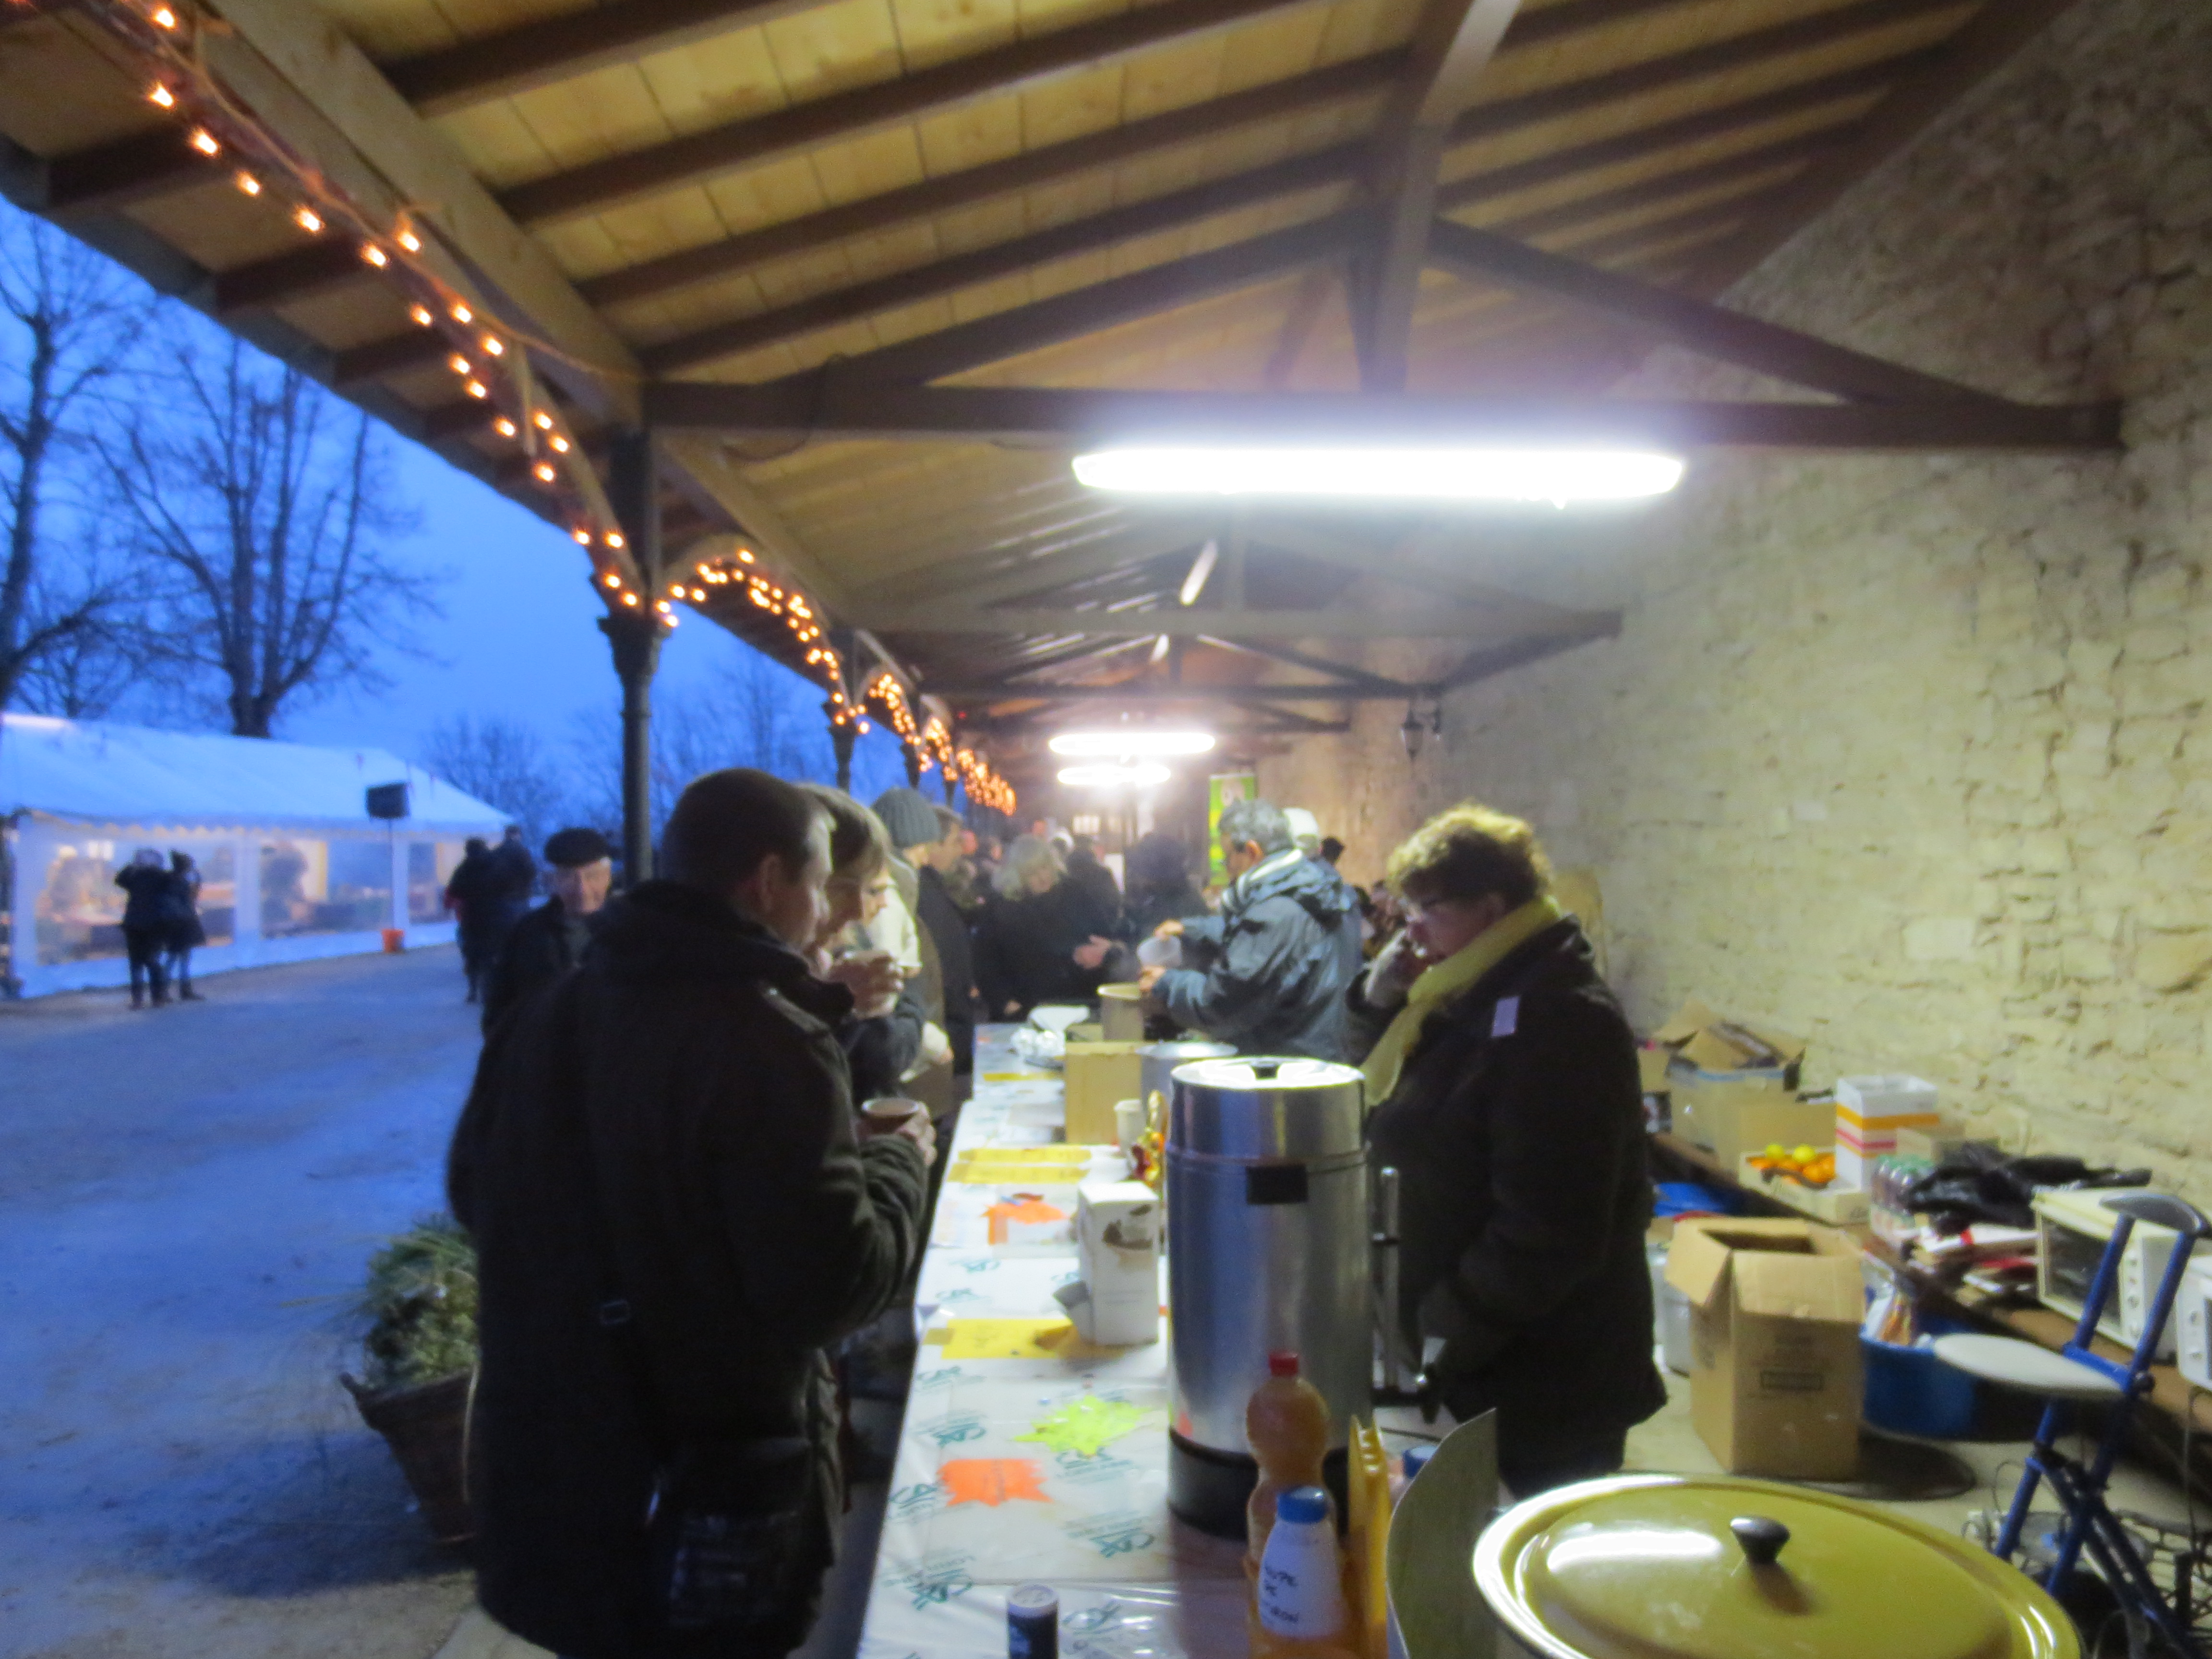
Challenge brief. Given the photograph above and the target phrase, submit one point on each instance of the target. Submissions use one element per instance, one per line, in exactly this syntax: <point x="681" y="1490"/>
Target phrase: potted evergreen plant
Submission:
<point x="420" y="1364"/>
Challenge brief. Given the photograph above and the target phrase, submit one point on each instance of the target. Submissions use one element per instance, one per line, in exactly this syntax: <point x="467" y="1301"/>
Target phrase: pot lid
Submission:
<point x="1710" y="1567"/>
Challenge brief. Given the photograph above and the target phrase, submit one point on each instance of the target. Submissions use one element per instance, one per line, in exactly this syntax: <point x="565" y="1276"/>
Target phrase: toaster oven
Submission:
<point x="2073" y="1228"/>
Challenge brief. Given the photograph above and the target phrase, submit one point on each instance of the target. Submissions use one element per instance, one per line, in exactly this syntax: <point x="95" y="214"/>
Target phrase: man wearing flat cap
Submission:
<point x="550" y="940"/>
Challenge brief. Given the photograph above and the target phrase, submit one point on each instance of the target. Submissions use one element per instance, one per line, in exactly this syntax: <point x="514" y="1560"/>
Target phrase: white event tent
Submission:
<point x="292" y="865"/>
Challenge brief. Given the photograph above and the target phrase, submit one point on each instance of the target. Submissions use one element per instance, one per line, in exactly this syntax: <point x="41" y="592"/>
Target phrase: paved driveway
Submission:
<point x="187" y="1199"/>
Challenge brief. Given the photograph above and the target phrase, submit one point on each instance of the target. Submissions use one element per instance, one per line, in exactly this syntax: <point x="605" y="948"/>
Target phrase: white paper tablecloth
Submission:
<point x="1133" y="1582"/>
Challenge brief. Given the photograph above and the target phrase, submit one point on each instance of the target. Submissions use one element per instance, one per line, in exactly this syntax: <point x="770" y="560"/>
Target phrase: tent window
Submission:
<point x="79" y="909"/>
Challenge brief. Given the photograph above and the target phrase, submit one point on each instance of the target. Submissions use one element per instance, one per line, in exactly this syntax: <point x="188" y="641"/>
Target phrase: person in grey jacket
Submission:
<point x="1268" y="975"/>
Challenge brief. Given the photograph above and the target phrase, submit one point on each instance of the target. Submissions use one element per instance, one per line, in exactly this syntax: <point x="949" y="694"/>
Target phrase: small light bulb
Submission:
<point x="560" y="445"/>
<point x="544" y="421"/>
<point x="162" y="96"/>
<point x="629" y="598"/>
<point x="494" y="345"/>
<point x="744" y="556"/>
<point x="205" y="142"/>
<point x="406" y="238"/>
<point x="308" y="220"/>
<point x="475" y="389"/>
<point x="614" y="539"/>
<point x="164" y="18"/>
<point x="421" y="315"/>
<point x="462" y="313"/>
<point x="660" y="605"/>
<point x="457" y="363"/>
<point x="580" y="536"/>
<point x="504" y="426"/>
<point x="612" y="580"/>
<point x="375" y="255"/>
<point x="246" y="182"/>
<point x="544" y="471"/>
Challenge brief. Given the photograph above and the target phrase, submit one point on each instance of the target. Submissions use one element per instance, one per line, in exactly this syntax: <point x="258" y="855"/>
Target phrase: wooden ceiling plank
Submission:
<point x="872" y="215"/>
<point x="397" y="354"/>
<point x="1289" y="177"/>
<point x="545" y="51"/>
<point x="1694" y="64"/>
<point x="1697" y="324"/>
<point x="1683" y="181"/>
<point x="598" y="186"/>
<point x="264" y="284"/>
<point x="1943" y="75"/>
<point x="1710" y="122"/>
<point x="825" y="408"/>
<point x="1430" y="622"/>
<point x="105" y="178"/>
<point x="1100" y="306"/>
<point x="1454" y="42"/>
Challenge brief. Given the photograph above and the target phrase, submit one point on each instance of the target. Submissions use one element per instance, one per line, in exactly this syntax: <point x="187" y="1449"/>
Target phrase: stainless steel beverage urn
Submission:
<point x="1156" y="1063"/>
<point x="1267" y="1250"/>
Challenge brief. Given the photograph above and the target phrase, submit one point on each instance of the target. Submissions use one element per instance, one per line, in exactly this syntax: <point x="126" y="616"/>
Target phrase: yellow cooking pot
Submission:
<point x="1662" y="1567"/>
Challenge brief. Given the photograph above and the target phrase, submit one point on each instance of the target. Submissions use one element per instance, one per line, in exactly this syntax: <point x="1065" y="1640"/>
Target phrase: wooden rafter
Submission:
<point x="872" y="216"/>
<point x="827" y="406"/>
<point x="1454" y="42"/>
<point x="750" y="142"/>
<point x="1484" y="661"/>
<point x="1155" y="692"/>
<point x="1729" y="336"/>
<point x="1426" y="622"/>
<point x="1942" y="76"/>
<point x="548" y="50"/>
<point x="1129" y="549"/>
<point x="1294" y="175"/>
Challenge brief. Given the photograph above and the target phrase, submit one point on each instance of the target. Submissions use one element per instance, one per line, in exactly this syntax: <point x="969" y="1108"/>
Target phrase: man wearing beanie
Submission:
<point x="550" y="940"/>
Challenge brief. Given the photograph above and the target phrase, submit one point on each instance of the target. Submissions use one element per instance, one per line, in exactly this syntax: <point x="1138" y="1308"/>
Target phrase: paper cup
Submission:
<point x="889" y="1111"/>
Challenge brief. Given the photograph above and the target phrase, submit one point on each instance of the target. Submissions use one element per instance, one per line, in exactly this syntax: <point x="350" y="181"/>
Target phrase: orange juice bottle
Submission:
<point x="1286" y="1425"/>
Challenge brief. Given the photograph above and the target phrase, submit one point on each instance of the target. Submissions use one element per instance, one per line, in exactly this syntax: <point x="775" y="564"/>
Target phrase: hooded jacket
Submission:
<point x="679" y="1102"/>
<point x="1271" y="970"/>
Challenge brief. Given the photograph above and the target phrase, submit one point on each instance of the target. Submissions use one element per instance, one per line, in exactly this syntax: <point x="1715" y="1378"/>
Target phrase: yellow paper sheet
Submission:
<point x="1011" y="1338"/>
<point x="1026" y="1155"/>
<point x="1016" y="1175"/>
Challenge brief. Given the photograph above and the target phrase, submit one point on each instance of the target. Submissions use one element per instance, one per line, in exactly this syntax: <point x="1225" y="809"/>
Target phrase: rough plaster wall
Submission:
<point x="1913" y="756"/>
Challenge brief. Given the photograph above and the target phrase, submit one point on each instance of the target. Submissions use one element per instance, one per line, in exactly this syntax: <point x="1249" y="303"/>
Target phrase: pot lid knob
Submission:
<point x="1762" y="1537"/>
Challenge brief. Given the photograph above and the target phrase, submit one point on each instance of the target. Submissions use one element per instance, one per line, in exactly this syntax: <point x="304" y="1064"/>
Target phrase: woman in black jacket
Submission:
<point x="186" y="933"/>
<point x="1038" y="941"/>
<point x="146" y="925"/>
<point x="1511" y="1107"/>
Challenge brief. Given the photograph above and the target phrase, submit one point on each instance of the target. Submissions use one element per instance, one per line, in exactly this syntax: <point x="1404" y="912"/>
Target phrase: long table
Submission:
<point x="1026" y="1456"/>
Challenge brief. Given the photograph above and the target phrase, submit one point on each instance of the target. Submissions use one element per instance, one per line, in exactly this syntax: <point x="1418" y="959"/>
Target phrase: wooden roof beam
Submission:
<point x="1155" y="692"/>
<point x="1042" y="575"/>
<point x="1454" y="42"/>
<point x="1023" y="328"/>
<point x="872" y="215"/>
<point x="546" y="51"/>
<point x="1487" y="660"/>
<point x="748" y="143"/>
<point x="107" y="177"/>
<point x="835" y="407"/>
<point x="396" y="354"/>
<point x="1731" y="337"/>
<point x="1988" y="42"/>
<point x="282" y="278"/>
<point x="1432" y="622"/>
<point x="1293" y="176"/>
<point x="1686" y="181"/>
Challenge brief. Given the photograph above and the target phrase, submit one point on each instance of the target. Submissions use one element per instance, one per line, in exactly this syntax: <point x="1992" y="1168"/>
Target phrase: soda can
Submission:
<point x="1033" y="1623"/>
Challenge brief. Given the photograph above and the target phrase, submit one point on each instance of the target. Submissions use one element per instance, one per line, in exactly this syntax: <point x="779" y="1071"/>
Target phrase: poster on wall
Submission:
<point x="1221" y="789"/>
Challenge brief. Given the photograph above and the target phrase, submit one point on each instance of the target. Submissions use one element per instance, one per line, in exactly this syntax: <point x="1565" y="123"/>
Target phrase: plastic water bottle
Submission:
<point x="1301" y="1579"/>
<point x="1415" y="1460"/>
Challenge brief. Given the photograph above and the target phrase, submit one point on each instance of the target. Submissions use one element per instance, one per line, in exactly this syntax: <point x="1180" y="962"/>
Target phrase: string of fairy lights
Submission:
<point x="491" y="362"/>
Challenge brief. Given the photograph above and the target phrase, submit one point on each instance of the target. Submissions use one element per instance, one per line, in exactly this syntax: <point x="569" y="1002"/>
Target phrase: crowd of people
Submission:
<point x="699" y="1156"/>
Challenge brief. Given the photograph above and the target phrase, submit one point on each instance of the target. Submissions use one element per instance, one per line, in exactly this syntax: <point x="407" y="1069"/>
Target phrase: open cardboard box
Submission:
<point x="1775" y="1380"/>
<point x="1099" y="1076"/>
<point x="1711" y="1042"/>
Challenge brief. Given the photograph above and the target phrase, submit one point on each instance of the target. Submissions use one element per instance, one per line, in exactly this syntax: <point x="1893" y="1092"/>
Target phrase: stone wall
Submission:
<point x="1913" y="756"/>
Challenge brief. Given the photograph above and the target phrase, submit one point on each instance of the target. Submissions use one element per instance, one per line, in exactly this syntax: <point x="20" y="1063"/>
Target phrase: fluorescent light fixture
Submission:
<point x="1132" y="744"/>
<point x="1106" y="774"/>
<point x="1466" y="473"/>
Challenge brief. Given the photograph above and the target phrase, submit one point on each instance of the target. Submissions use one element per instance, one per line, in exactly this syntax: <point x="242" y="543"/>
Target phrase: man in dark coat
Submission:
<point x="550" y="940"/>
<point x="1505" y="1094"/>
<point x="471" y="895"/>
<point x="673" y="1218"/>
<point x="1268" y="975"/>
<point x="146" y="920"/>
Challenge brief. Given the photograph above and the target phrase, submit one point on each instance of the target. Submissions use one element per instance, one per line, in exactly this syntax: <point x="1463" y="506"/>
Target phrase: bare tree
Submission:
<point x="263" y="509"/>
<point x="501" y="762"/>
<point x="76" y="319"/>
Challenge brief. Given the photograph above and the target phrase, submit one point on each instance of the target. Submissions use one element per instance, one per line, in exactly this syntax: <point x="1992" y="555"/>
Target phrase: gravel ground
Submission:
<point x="187" y="1196"/>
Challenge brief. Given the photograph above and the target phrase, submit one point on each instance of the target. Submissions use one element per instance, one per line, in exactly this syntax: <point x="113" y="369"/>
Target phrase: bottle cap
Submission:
<point x="1302" y="1504"/>
<point x="1282" y="1362"/>
<point x="1417" y="1458"/>
<point x="1033" y="1599"/>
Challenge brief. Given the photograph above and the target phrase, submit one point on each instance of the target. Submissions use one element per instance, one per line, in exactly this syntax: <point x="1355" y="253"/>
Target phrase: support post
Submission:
<point x="637" y="642"/>
<point x="951" y="783"/>
<point x="842" y="737"/>
<point x="634" y="492"/>
<point x="913" y="753"/>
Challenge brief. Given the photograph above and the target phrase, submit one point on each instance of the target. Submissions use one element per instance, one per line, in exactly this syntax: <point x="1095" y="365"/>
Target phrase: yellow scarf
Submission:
<point x="1447" y="979"/>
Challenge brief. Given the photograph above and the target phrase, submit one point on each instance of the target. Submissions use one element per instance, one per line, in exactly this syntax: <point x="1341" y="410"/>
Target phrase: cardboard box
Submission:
<point x="1870" y="1111"/>
<point x="1938" y="1145"/>
<point x="1730" y="1115"/>
<point x="1117" y="1241"/>
<point x="1651" y="1065"/>
<point x="1710" y="1042"/>
<point x="1839" y="1203"/>
<point x="1119" y="1013"/>
<point x="1099" y="1075"/>
<point x="1775" y="1378"/>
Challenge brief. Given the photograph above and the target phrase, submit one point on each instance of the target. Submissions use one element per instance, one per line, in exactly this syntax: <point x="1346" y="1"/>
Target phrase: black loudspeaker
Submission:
<point x="388" y="800"/>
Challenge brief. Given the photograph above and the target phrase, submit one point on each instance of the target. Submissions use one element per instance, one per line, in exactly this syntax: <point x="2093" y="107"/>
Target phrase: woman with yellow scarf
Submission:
<point x="1504" y="1082"/>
